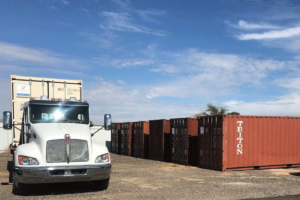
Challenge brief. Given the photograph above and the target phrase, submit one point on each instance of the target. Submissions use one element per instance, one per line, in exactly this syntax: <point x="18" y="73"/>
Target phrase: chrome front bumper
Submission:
<point x="36" y="175"/>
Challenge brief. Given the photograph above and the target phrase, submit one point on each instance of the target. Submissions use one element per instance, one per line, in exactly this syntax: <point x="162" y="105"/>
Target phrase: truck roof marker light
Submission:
<point x="52" y="99"/>
<point x="59" y="99"/>
<point x="72" y="99"/>
<point x="31" y="98"/>
<point x="85" y="101"/>
<point x="44" y="98"/>
<point x="66" y="99"/>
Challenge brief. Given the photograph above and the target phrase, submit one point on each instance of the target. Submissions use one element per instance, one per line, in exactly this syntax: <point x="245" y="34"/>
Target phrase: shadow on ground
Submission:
<point x="295" y="174"/>
<point x="289" y="197"/>
<point x="61" y="188"/>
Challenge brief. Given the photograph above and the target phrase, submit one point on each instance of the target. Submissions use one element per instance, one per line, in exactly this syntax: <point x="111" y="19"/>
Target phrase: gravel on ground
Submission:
<point x="134" y="178"/>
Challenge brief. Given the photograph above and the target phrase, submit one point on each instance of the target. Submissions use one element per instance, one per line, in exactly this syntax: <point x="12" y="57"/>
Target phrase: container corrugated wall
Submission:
<point x="184" y="140"/>
<point x="125" y="142"/>
<point x="140" y="139"/>
<point x="160" y="140"/>
<point x="205" y="143"/>
<point x="116" y="138"/>
<point x="6" y="138"/>
<point x="249" y="142"/>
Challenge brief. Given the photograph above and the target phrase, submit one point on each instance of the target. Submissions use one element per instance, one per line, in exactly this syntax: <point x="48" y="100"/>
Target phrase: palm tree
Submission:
<point x="215" y="110"/>
<point x="233" y="113"/>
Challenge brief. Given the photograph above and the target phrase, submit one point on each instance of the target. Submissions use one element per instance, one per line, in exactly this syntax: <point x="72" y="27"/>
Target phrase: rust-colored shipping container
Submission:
<point x="140" y="139"/>
<point x="248" y="142"/>
<point x="116" y="138"/>
<point x="160" y="140"/>
<point x="126" y="137"/>
<point x="184" y="140"/>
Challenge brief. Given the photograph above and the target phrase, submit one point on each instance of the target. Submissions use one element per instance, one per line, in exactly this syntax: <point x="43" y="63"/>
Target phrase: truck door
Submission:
<point x="25" y="133"/>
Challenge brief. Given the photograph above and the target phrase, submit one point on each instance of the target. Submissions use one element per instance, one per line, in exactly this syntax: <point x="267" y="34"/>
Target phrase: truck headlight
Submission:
<point x="103" y="158"/>
<point x="25" y="160"/>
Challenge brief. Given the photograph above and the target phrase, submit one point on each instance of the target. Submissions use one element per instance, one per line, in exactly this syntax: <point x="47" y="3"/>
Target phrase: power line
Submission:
<point x="275" y="3"/>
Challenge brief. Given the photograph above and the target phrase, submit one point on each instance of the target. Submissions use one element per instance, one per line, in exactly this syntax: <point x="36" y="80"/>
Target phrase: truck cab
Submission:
<point x="56" y="145"/>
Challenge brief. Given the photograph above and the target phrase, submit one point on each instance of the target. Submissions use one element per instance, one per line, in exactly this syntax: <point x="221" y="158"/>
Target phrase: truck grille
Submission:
<point x="56" y="151"/>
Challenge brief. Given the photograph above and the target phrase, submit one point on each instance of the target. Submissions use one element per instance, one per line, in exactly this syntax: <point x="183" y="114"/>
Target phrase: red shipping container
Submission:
<point x="115" y="138"/>
<point x="140" y="139"/>
<point x="160" y="140"/>
<point x="125" y="138"/>
<point x="184" y="139"/>
<point x="235" y="142"/>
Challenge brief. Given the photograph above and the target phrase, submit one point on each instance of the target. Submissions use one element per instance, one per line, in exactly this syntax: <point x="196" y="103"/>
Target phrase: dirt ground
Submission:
<point x="134" y="178"/>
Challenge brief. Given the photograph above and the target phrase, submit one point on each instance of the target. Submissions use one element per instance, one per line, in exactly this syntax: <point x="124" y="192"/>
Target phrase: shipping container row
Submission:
<point x="225" y="143"/>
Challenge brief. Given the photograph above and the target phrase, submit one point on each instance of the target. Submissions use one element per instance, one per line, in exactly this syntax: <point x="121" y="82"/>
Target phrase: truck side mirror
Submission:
<point x="7" y="120"/>
<point x="107" y="121"/>
<point x="91" y="124"/>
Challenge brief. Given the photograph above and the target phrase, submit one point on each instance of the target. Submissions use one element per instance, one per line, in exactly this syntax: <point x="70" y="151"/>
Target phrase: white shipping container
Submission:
<point x="6" y="138"/>
<point x="23" y="88"/>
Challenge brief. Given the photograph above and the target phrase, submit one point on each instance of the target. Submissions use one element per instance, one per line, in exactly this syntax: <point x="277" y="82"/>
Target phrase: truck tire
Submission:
<point x="11" y="168"/>
<point x="20" y="188"/>
<point x="101" y="184"/>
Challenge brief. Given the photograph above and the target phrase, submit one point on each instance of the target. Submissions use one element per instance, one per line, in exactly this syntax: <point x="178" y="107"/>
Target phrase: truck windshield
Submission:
<point x="59" y="114"/>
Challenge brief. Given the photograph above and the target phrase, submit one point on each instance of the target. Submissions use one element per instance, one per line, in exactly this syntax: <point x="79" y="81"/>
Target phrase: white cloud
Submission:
<point x="293" y="83"/>
<point x="167" y="68"/>
<point x="123" y="63"/>
<point x="104" y="39"/>
<point x="7" y="69"/>
<point x="65" y="24"/>
<point x="271" y="35"/>
<point x="293" y="45"/>
<point x="76" y="74"/>
<point x="287" y="105"/>
<point x="195" y="74"/>
<point x="65" y="2"/>
<point x="52" y="7"/>
<point x="12" y="53"/>
<point x="290" y="44"/>
<point x="131" y="62"/>
<point x="124" y="22"/>
<point x="121" y="82"/>
<point x="12" y="68"/>
<point x="130" y="104"/>
<point x="210" y="74"/>
<point x="149" y="15"/>
<point x="85" y="10"/>
<point x="124" y="4"/>
<point x="22" y="53"/>
<point x="252" y="26"/>
<point x="287" y="38"/>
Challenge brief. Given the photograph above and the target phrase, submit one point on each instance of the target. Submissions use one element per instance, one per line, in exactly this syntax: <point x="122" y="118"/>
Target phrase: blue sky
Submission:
<point x="142" y="60"/>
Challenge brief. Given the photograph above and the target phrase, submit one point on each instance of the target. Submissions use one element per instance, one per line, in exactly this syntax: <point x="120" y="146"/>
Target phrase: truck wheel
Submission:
<point x="20" y="188"/>
<point x="11" y="168"/>
<point x="101" y="184"/>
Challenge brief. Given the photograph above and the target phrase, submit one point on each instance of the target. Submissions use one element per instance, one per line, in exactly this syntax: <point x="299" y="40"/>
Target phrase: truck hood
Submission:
<point x="50" y="131"/>
<point x="43" y="132"/>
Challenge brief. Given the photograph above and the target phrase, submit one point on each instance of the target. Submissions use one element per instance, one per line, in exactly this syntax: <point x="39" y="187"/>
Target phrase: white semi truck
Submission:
<point x="55" y="145"/>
